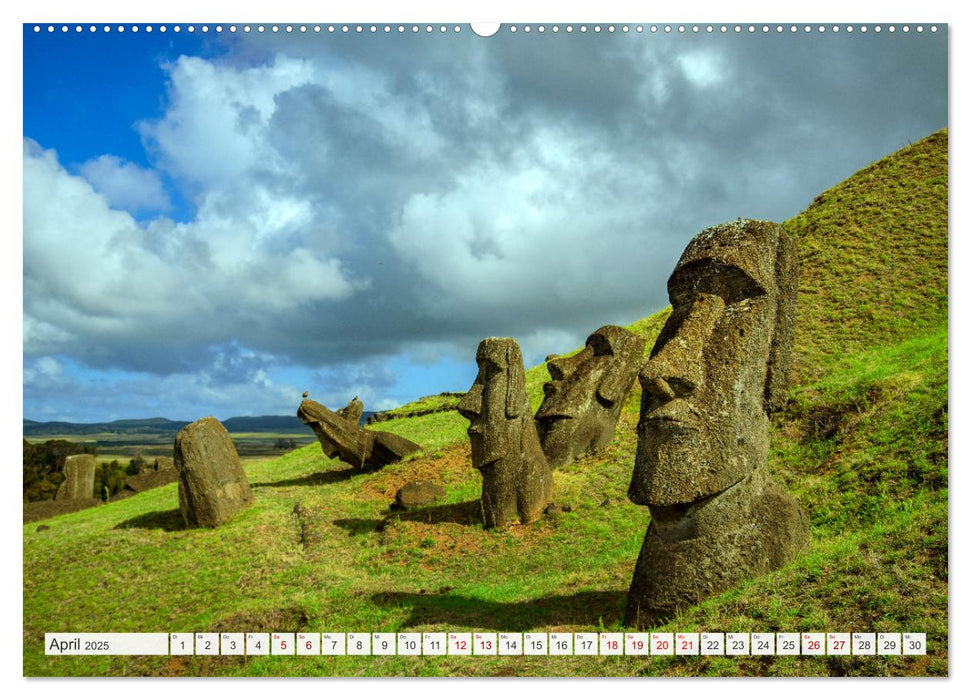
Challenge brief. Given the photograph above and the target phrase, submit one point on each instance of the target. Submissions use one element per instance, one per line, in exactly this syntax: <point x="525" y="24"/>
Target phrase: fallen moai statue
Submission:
<point x="517" y="481"/>
<point x="352" y="411"/>
<point x="212" y="483"/>
<point x="586" y="393"/>
<point x="346" y="440"/>
<point x="720" y="365"/>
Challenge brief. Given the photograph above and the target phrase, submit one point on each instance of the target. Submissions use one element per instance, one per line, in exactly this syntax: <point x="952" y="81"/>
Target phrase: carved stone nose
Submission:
<point x="677" y="369"/>
<point x="564" y="367"/>
<point x="471" y="404"/>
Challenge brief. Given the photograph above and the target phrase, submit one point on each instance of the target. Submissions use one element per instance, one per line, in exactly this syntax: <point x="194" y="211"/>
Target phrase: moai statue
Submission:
<point x="212" y="483"/>
<point x="78" y="478"/>
<point x="719" y="367"/>
<point x="352" y="411"/>
<point x="516" y="479"/>
<point x="352" y="444"/>
<point x="587" y="391"/>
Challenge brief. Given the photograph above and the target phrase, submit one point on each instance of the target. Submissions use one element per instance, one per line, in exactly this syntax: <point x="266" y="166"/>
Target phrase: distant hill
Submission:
<point x="163" y="426"/>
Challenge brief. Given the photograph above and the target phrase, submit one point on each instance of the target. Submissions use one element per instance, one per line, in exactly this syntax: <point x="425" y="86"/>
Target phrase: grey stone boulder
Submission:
<point x="212" y="484"/>
<point x="78" y="478"/>
<point x="415" y="494"/>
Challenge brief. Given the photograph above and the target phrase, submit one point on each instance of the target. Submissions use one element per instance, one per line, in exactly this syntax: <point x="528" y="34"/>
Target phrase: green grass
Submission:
<point x="862" y="445"/>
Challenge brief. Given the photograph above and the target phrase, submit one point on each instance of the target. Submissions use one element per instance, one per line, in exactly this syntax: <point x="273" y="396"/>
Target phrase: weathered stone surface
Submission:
<point x="162" y="463"/>
<point x="351" y="443"/>
<point x="352" y="411"/>
<point x="78" y="478"/>
<point x="212" y="483"/>
<point x="417" y="493"/>
<point x="719" y="367"/>
<point x="517" y="481"/>
<point x="587" y="391"/>
<point x="153" y="478"/>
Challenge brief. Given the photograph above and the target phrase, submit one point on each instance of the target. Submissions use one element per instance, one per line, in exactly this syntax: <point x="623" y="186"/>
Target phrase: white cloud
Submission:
<point x="125" y="185"/>
<point x="214" y="128"/>
<point x="93" y="273"/>
<point x="702" y="68"/>
<point x="356" y="201"/>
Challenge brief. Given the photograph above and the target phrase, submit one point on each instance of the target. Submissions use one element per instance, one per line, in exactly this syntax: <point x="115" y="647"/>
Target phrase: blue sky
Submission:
<point x="214" y="223"/>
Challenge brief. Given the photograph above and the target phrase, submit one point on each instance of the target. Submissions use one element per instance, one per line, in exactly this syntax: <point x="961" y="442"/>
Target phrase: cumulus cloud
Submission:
<point x="115" y="293"/>
<point x="126" y="186"/>
<point x="357" y="200"/>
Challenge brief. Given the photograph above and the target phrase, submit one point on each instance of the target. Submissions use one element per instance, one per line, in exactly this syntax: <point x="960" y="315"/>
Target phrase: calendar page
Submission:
<point x="527" y="348"/>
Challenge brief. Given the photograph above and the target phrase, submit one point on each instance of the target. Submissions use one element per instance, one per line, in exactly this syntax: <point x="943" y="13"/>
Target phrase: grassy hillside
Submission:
<point x="862" y="446"/>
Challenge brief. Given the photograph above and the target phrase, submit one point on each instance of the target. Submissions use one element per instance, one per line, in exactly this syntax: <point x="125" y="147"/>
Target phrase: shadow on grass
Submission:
<point x="583" y="609"/>
<point x="315" y="479"/>
<point x="167" y="520"/>
<point x="467" y="513"/>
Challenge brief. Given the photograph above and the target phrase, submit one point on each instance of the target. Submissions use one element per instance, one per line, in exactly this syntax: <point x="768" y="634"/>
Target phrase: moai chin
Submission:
<point x="587" y="391"/>
<point x="516" y="479"/>
<point x="719" y="367"/>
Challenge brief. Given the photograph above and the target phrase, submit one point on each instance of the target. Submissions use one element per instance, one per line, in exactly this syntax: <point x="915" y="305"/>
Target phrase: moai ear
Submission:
<point x="612" y="387"/>
<point x="628" y="354"/>
<point x="515" y="381"/>
<point x="777" y="376"/>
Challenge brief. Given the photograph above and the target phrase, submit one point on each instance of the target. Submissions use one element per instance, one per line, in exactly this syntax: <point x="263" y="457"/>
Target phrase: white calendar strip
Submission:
<point x="489" y="644"/>
<point x="118" y="643"/>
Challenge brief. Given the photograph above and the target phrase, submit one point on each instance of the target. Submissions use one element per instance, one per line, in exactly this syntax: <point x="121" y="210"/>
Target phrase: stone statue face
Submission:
<point x="596" y="371"/>
<point x="706" y="388"/>
<point x="584" y="398"/>
<point x="494" y="405"/>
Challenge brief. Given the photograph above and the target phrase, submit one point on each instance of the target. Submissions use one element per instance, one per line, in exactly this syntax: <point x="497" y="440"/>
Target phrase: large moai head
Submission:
<point x="587" y="391"/>
<point x="497" y="402"/>
<point x="516" y="478"/>
<point x="720" y="364"/>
